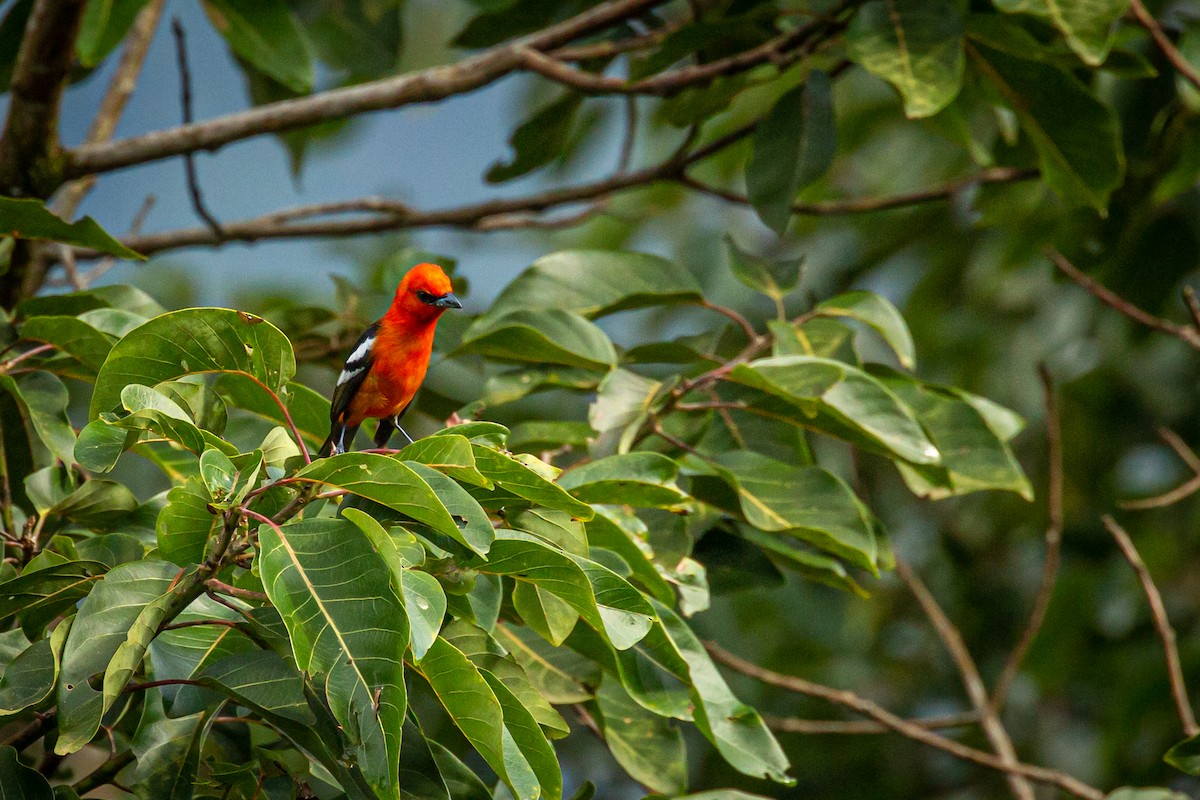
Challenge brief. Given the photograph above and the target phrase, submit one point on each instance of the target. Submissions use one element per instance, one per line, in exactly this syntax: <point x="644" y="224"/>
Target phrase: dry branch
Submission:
<point x="977" y="693"/>
<point x="1162" y="624"/>
<point x="911" y="730"/>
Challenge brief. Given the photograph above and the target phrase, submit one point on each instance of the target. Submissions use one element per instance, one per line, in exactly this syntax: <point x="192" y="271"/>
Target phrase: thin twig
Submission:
<point x="66" y="256"/>
<point x="1054" y="531"/>
<point x="973" y="683"/>
<point x="741" y="321"/>
<point x="1193" y="305"/>
<point x="1166" y="633"/>
<point x="864" y="726"/>
<point x="1184" y="490"/>
<point x="869" y="708"/>
<point x="1169" y="50"/>
<point x="1171" y="439"/>
<point x="235" y="591"/>
<point x="1185" y="333"/>
<point x="865" y="205"/>
<point x="185" y="103"/>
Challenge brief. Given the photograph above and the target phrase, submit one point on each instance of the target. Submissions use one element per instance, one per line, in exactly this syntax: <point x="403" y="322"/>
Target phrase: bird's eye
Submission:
<point x="426" y="297"/>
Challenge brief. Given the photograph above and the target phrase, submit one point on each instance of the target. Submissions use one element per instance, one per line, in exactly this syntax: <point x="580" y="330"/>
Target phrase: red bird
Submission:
<point x="388" y="363"/>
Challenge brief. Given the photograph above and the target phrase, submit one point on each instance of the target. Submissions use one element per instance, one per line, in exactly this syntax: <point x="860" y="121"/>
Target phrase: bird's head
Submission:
<point x="424" y="293"/>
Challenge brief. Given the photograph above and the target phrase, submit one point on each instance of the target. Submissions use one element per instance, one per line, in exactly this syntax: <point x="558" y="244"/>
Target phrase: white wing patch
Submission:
<point x="348" y="374"/>
<point x="360" y="352"/>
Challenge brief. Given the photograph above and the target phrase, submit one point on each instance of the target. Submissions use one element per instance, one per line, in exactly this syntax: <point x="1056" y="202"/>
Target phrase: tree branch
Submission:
<point x="1172" y="54"/>
<point x="424" y="86"/>
<point x="870" y="204"/>
<point x="1184" y="333"/>
<point x="863" y="726"/>
<point x="1166" y="633"/>
<point x="29" y="146"/>
<point x="1054" y="530"/>
<point x="977" y="692"/>
<point x="911" y="730"/>
<point x="1180" y="492"/>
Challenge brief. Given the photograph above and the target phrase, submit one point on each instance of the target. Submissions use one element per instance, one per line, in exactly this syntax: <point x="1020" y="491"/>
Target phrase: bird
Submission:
<point x="388" y="363"/>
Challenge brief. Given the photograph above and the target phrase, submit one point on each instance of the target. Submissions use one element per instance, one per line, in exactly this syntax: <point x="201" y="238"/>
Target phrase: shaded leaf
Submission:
<point x="29" y="219"/>
<point x="20" y="782"/>
<point x="538" y="140"/>
<point x="549" y="336"/>
<point x="265" y="33"/>
<point x="875" y="311"/>
<point x="104" y="25"/>
<point x="916" y="45"/>
<point x="1088" y="25"/>
<point x="347" y="628"/>
<point x="636" y="479"/>
<point x="793" y="146"/>
<point x="772" y="278"/>
<point x="646" y="746"/>
<point x="194" y="340"/>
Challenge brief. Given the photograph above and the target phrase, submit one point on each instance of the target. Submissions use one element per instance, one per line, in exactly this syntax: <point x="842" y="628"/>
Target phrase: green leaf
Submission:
<point x="624" y="534"/>
<point x="594" y="283"/>
<point x="538" y="140"/>
<point x="535" y="436"/>
<point x="524" y="740"/>
<point x="488" y="654"/>
<point x="1077" y="135"/>
<point x="476" y="711"/>
<point x="526" y="477"/>
<point x="423" y="597"/>
<point x="308" y="409"/>
<point x="20" y="782"/>
<point x="604" y="599"/>
<point x="186" y="523"/>
<point x="623" y="403"/>
<point x="736" y="729"/>
<point x="268" y="35"/>
<point x="167" y="750"/>
<point x="101" y="626"/>
<point x="261" y="680"/>
<point x="49" y="591"/>
<point x="809" y="503"/>
<point x="111" y="549"/>
<point x="555" y="527"/>
<point x="30" y="219"/>
<point x="636" y="479"/>
<point x="879" y="314"/>
<point x="1185" y="756"/>
<point x="96" y="503"/>
<point x="194" y="340"/>
<point x="793" y="146"/>
<point x="549" y="335"/>
<point x="646" y="746"/>
<point x="104" y="25"/>
<point x="129" y="654"/>
<point x="552" y="617"/>
<point x="29" y="678"/>
<point x="974" y="458"/>
<point x="448" y="453"/>
<point x="772" y="278"/>
<point x="407" y="488"/>
<point x="348" y="630"/>
<point x="916" y="45"/>
<point x="559" y="674"/>
<point x="71" y="335"/>
<point x="1088" y="25"/>
<point x="43" y="400"/>
<point x="842" y="400"/>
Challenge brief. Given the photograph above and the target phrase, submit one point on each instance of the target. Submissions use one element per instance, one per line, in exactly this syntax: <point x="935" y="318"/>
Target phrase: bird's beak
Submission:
<point x="448" y="300"/>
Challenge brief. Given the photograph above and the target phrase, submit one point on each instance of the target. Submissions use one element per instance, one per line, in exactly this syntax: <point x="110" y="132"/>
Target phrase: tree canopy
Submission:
<point x="835" y="444"/>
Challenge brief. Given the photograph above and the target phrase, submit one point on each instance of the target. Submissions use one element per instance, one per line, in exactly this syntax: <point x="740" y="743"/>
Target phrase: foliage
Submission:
<point x="187" y="591"/>
<point x="346" y="595"/>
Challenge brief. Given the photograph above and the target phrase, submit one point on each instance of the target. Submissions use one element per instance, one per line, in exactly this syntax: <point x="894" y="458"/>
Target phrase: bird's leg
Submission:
<point x="384" y="432"/>
<point x="404" y="433"/>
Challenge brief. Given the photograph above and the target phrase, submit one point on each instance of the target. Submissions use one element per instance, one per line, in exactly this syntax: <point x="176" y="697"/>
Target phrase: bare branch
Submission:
<point x="120" y="89"/>
<point x="30" y="137"/>
<point x="423" y="86"/>
<point x="1166" y="633"/>
<point x="380" y="215"/>
<point x="185" y="103"/>
<point x="870" y="204"/>
<point x="916" y="732"/>
<point x="864" y="726"/>
<point x="977" y="692"/>
<point x="1054" y="531"/>
<point x="1180" y="492"/>
<point x="1172" y="54"/>
<point x="1185" y="333"/>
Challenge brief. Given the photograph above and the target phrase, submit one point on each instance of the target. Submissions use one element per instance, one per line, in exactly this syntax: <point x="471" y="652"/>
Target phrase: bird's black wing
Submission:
<point x="358" y="364"/>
